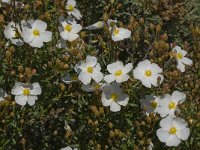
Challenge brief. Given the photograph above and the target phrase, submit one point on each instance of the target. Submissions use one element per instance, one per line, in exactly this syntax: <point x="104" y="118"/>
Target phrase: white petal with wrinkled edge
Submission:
<point x="183" y="134"/>
<point x="31" y="100"/>
<point x="105" y="101"/>
<point x="84" y="77"/>
<point x="123" y="99"/>
<point x="166" y="123"/>
<point x="36" y="89"/>
<point x="97" y="76"/>
<point x="118" y="65"/>
<point x="178" y="97"/>
<point x="115" y="107"/>
<point x="173" y="140"/>
<point x="128" y="67"/>
<point x="21" y="100"/>
<point x="46" y="36"/>
<point x="186" y="61"/>
<point x="162" y="135"/>
<point x="91" y="61"/>
<point x="109" y="78"/>
<point x="181" y="66"/>
<point x="40" y="25"/>
<point x="37" y="42"/>
<point x="17" y="89"/>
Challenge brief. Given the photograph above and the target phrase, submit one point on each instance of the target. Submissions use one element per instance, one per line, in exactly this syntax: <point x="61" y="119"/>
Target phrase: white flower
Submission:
<point x="112" y="96"/>
<point x="168" y="104"/>
<point x="70" y="30"/>
<point x="89" y="70"/>
<point x="35" y="33"/>
<point x="118" y="72"/>
<point x="97" y="25"/>
<point x="13" y="32"/>
<point x="92" y="87"/>
<point x="3" y="94"/>
<point x="68" y="148"/>
<point x="68" y="79"/>
<point x="71" y="10"/>
<point x="26" y="93"/>
<point x="172" y="131"/>
<point x="150" y="103"/>
<point x="181" y="59"/>
<point x="119" y="34"/>
<point x="148" y="73"/>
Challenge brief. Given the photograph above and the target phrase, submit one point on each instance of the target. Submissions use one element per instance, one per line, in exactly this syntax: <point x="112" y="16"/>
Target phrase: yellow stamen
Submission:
<point x="36" y="32"/>
<point x="118" y="73"/>
<point x="74" y="78"/>
<point x="17" y="34"/>
<point x="148" y="73"/>
<point x="99" y="24"/>
<point x="89" y="69"/>
<point x="97" y="86"/>
<point x="179" y="56"/>
<point x="116" y="31"/>
<point x="114" y="97"/>
<point x="171" y="105"/>
<point x="26" y="92"/>
<point x="154" y="104"/>
<point x="68" y="28"/>
<point x="172" y="130"/>
<point x="70" y="7"/>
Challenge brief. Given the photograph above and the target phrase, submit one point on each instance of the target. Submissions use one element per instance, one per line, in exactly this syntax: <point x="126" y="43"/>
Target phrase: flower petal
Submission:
<point x="178" y="97"/>
<point x="46" y="36"/>
<point x="163" y="135"/>
<point x="109" y="78"/>
<point x="183" y="134"/>
<point x="115" y="107"/>
<point x="91" y="61"/>
<point x="36" y="89"/>
<point x="17" y="89"/>
<point x="123" y="99"/>
<point x="166" y="123"/>
<point x="187" y="61"/>
<point x="31" y="100"/>
<point x="84" y="77"/>
<point x="37" y="42"/>
<point x="173" y="140"/>
<point x="105" y="101"/>
<point x="21" y="100"/>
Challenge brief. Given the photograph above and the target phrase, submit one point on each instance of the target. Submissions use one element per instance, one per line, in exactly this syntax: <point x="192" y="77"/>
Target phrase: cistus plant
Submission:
<point x="103" y="74"/>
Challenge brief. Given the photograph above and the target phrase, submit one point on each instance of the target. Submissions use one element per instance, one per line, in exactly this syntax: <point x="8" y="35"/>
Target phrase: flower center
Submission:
<point x="36" y="32"/>
<point x="118" y="73"/>
<point x="154" y="104"/>
<point x="89" y="69"/>
<point x="179" y="56"/>
<point x="74" y="78"/>
<point x="70" y="7"/>
<point x="114" y="97"/>
<point x="96" y="86"/>
<point x="116" y="32"/>
<point x="26" y="92"/>
<point x="171" y="105"/>
<point x="17" y="34"/>
<point x="68" y="28"/>
<point x="172" y="130"/>
<point x="99" y="24"/>
<point x="148" y="73"/>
